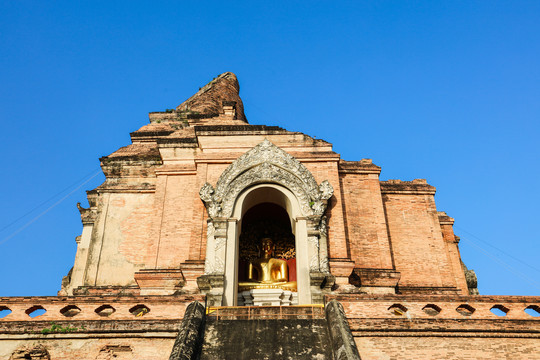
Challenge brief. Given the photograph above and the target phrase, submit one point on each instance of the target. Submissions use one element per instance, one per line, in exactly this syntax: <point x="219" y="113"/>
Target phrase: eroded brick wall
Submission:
<point x="456" y="347"/>
<point x="120" y="239"/>
<point x="418" y="247"/>
<point x="365" y="221"/>
<point x="119" y="347"/>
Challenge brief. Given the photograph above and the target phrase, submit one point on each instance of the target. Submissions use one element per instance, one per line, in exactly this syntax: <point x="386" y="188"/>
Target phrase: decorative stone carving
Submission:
<point x="323" y="245"/>
<point x="212" y="286"/>
<point x="323" y="226"/>
<point x="88" y="215"/>
<point x="266" y="163"/>
<point x="326" y="190"/>
<point x="265" y="152"/>
<point x="314" y="241"/>
<point x="219" y="265"/>
<point x="314" y="263"/>
<point x="209" y="262"/>
<point x="267" y="173"/>
<point x="207" y="193"/>
<point x="220" y="242"/>
<point x="212" y="205"/>
<point x="324" y="265"/>
<point x="472" y="280"/>
<point x="210" y="229"/>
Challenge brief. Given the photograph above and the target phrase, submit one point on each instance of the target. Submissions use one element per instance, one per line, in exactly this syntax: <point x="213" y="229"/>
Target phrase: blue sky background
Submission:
<point x="443" y="90"/>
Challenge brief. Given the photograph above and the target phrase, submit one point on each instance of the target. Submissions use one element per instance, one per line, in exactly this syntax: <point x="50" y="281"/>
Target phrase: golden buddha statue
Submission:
<point x="267" y="272"/>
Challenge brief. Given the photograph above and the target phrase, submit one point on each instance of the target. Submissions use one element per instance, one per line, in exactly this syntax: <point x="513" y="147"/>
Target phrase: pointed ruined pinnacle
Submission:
<point x="222" y="91"/>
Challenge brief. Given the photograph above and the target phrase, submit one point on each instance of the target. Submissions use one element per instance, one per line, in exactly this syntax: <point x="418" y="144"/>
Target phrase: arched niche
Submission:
<point x="267" y="193"/>
<point x="265" y="173"/>
<point x="281" y="196"/>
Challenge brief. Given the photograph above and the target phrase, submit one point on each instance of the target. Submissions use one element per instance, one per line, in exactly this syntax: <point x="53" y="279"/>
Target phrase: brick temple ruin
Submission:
<point x="165" y="263"/>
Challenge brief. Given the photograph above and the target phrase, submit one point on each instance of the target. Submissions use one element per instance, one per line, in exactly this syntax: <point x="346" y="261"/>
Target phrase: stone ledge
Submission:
<point x="106" y="291"/>
<point x="444" y="219"/>
<point x="85" y="327"/>
<point x="364" y="166"/>
<point x="98" y="299"/>
<point x="415" y="187"/>
<point x="150" y="134"/>
<point x="385" y="278"/>
<point x="218" y="129"/>
<point x="160" y="116"/>
<point x="159" y="281"/>
<point x="443" y="298"/>
<point x="428" y="290"/>
<point x="461" y="327"/>
<point x="178" y="142"/>
<point x="131" y="160"/>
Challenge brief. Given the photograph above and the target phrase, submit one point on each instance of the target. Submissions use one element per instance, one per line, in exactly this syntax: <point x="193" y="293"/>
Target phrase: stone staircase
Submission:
<point x="286" y="332"/>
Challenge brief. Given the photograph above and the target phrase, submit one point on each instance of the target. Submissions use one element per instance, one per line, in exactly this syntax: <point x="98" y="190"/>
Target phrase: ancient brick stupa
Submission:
<point x="215" y="239"/>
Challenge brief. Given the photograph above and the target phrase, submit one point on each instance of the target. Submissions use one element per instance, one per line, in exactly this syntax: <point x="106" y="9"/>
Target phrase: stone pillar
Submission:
<point x="302" y="261"/>
<point x="231" y="263"/>
<point x="213" y="281"/>
<point x="209" y="262"/>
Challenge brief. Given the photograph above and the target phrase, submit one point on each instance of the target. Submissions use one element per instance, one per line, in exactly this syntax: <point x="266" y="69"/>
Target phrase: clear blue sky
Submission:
<point x="443" y="90"/>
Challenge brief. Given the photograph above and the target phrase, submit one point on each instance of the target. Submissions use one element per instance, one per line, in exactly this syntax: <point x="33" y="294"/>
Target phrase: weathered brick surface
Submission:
<point x="338" y="247"/>
<point x="448" y="348"/>
<point x="112" y="259"/>
<point x="177" y="213"/>
<point x="452" y="248"/>
<point x="138" y="230"/>
<point x="417" y="244"/>
<point x="365" y="220"/>
<point x="210" y="98"/>
<point x="97" y="347"/>
<point x="197" y="224"/>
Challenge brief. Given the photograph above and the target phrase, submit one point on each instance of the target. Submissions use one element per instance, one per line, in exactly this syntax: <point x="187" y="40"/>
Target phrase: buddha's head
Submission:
<point x="267" y="247"/>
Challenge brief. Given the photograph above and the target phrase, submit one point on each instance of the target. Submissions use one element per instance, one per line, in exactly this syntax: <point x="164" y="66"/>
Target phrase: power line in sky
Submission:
<point x="46" y="201"/>
<point x="47" y="210"/>
<point x="496" y="248"/>
<point x="503" y="263"/>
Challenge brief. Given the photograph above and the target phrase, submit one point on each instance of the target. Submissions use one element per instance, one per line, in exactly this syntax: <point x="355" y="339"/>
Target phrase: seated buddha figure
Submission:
<point x="267" y="272"/>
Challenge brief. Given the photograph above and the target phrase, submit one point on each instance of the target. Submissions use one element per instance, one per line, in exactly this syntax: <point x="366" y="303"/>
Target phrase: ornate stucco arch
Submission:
<point x="264" y="164"/>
